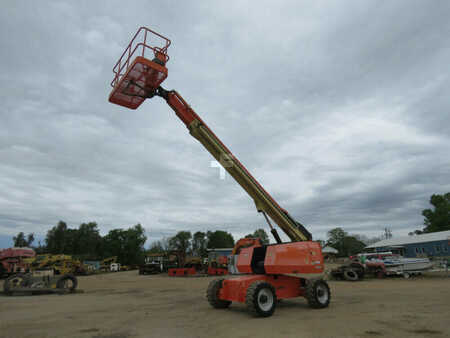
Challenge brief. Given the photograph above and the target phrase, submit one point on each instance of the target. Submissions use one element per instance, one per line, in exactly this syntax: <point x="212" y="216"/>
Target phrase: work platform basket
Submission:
<point x="140" y="69"/>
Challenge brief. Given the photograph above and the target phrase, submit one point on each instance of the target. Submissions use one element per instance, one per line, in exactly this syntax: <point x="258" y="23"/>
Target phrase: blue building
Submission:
<point x="214" y="254"/>
<point x="93" y="265"/>
<point x="435" y="244"/>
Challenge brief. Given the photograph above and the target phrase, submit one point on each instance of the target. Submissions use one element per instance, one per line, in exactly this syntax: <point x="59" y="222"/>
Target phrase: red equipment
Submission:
<point x="218" y="267"/>
<point x="11" y="260"/>
<point x="182" y="272"/>
<point x="217" y="271"/>
<point x="274" y="271"/>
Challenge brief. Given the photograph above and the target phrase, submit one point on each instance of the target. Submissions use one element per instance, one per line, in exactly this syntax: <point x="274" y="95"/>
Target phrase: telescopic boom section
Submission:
<point x="263" y="201"/>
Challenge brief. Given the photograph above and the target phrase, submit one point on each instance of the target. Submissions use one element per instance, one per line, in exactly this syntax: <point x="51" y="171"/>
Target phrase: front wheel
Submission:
<point x="212" y="294"/>
<point x="15" y="281"/>
<point x="67" y="282"/>
<point x="318" y="293"/>
<point x="261" y="299"/>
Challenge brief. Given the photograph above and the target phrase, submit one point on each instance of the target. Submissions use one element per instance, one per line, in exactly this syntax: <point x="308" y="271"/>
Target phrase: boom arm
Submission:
<point x="263" y="201"/>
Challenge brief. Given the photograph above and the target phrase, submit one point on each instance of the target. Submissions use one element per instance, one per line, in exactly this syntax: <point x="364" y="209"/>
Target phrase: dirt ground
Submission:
<point x="125" y="304"/>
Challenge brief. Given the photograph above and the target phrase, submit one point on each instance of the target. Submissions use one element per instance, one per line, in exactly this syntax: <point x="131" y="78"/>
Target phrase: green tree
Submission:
<point x="57" y="238"/>
<point x="21" y="241"/>
<point x="40" y="249"/>
<point x="156" y="247"/>
<point x="219" y="239"/>
<point x="127" y="245"/>
<point x="30" y="239"/>
<point x="199" y="244"/>
<point x="261" y="234"/>
<point x="438" y="218"/>
<point x="352" y="246"/>
<point x="343" y="242"/>
<point x="70" y="242"/>
<point x="87" y="241"/>
<point x="336" y="238"/>
<point x="181" y="243"/>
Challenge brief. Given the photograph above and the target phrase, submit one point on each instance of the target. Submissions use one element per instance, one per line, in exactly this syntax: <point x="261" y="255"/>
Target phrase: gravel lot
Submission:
<point x="125" y="304"/>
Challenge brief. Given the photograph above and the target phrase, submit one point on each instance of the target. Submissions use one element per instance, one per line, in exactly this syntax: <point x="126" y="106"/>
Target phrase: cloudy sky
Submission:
<point x="339" y="108"/>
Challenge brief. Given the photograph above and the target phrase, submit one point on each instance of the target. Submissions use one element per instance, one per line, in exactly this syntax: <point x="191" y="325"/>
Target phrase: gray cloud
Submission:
<point x="340" y="111"/>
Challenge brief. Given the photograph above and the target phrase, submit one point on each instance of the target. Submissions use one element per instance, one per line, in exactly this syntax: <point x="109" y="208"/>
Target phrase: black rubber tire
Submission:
<point x="252" y="299"/>
<point x="313" y="295"/>
<point x="212" y="294"/>
<point x="60" y="283"/>
<point x="350" y="275"/>
<point x="359" y="268"/>
<point x="11" y="283"/>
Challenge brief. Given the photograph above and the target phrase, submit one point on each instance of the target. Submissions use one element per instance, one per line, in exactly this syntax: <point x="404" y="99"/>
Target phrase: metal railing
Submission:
<point x="144" y="39"/>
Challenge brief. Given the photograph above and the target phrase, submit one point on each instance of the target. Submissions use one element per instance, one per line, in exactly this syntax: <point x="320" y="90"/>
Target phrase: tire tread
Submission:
<point x="212" y="294"/>
<point x="252" y="302"/>
<point x="310" y="295"/>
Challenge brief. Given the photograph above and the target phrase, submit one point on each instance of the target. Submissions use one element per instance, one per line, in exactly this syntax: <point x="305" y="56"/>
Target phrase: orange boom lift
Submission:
<point x="267" y="272"/>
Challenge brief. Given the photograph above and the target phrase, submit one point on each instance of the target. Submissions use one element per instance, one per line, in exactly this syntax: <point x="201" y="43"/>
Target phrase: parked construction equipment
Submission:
<point x="158" y="262"/>
<point x="109" y="264"/>
<point x="217" y="264"/>
<point x="59" y="264"/>
<point x="271" y="272"/>
<point x="153" y="264"/>
<point x="15" y="260"/>
<point x="187" y="265"/>
<point x="39" y="281"/>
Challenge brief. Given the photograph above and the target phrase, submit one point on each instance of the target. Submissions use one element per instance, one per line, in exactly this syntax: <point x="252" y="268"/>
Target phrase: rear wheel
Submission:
<point x="261" y="299"/>
<point x="350" y="275"/>
<point x="359" y="269"/>
<point x="67" y="282"/>
<point x="212" y="294"/>
<point x="318" y="293"/>
<point x="15" y="281"/>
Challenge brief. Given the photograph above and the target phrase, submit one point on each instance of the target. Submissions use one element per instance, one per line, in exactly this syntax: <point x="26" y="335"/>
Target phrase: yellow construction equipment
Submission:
<point x="105" y="264"/>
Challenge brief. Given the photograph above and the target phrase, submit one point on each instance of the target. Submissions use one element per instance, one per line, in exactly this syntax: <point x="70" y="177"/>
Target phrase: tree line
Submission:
<point x="86" y="243"/>
<point x="349" y="244"/>
<point x="197" y="244"/>
<point x="128" y="244"/>
<point x="437" y="218"/>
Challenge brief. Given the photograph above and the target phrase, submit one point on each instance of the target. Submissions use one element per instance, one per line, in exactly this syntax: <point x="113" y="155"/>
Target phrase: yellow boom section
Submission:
<point x="263" y="201"/>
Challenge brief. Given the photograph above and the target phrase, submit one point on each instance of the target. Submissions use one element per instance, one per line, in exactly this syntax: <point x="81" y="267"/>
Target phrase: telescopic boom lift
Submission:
<point x="281" y="270"/>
